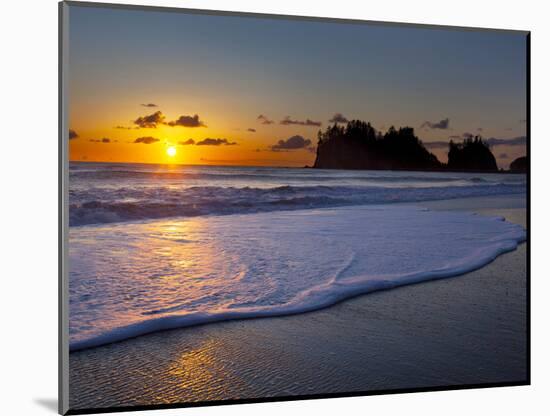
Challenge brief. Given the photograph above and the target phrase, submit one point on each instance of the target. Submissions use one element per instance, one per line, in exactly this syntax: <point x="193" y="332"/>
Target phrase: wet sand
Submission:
<point x="463" y="330"/>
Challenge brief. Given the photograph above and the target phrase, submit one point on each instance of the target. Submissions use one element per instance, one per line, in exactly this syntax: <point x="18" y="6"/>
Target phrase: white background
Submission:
<point x="28" y="231"/>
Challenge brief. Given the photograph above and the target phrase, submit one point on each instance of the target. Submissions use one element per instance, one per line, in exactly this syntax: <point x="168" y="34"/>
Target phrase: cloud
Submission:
<point x="187" y="121"/>
<point x="438" y="144"/>
<point x="264" y="119"/>
<point x="251" y="130"/>
<point x="73" y="134"/>
<point x="442" y="124"/>
<point x="287" y="121"/>
<point x="338" y="118"/>
<point x="126" y="128"/>
<point x="146" y="140"/>
<point x="104" y="140"/>
<point x="187" y="142"/>
<point x="292" y="143"/>
<point x="215" y="142"/>
<point x="503" y="156"/>
<point x="515" y="141"/>
<point x="149" y="105"/>
<point x="151" y="121"/>
<point x="523" y="121"/>
<point x="479" y="129"/>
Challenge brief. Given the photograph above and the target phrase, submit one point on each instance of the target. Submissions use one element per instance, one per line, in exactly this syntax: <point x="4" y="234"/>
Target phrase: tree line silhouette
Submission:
<point x="358" y="145"/>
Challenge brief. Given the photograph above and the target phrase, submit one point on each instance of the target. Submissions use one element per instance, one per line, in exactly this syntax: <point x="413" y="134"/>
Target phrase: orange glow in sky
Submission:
<point x="163" y="88"/>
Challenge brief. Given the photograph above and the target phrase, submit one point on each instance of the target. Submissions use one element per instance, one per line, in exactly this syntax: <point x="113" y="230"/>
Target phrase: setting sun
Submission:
<point x="171" y="151"/>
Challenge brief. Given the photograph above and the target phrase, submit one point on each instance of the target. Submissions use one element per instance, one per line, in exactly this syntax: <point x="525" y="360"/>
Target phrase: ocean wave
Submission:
<point x="97" y="206"/>
<point x="263" y="265"/>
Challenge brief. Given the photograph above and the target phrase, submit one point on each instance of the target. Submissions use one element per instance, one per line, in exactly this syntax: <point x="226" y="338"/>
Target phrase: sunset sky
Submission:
<point x="255" y="91"/>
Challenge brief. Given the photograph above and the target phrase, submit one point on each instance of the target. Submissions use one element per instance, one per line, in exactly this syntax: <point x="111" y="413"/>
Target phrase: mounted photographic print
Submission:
<point x="261" y="208"/>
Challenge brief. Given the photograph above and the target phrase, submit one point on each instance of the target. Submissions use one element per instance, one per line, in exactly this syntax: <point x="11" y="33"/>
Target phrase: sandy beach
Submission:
<point x="461" y="330"/>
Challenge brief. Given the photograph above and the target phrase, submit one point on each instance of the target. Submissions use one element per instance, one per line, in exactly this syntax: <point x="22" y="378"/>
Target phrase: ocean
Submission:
<point x="155" y="247"/>
<point x="108" y="193"/>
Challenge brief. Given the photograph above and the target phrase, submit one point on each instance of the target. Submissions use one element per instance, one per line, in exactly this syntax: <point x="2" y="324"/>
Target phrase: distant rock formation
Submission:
<point x="359" y="146"/>
<point x="473" y="154"/>
<point x="519" y="165"/>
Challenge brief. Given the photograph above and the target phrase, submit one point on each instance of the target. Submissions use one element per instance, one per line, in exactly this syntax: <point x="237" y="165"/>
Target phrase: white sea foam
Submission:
<point x="135" y="278"/>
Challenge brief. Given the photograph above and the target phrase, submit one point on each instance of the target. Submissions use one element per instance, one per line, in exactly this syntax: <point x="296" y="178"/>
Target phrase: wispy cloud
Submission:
<point x="338" y="118"/>
<point x="441" y="124"/>
<point x="264" y="119"/>
<point x="73" y="134"/>
<point x="146" y="140"/>
<point x="287" y="121"/>
<point x="150" y="121"/>
<point x="515" y="141"/>
<point x="126" y="128"/>
<point x="292" y="143"/>
<point x="251" y="130"/>
<point x="215" y="142"/>
<point x="149" y="105"/>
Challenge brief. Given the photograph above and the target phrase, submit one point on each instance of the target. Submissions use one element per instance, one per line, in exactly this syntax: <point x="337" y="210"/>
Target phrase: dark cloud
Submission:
<point x="215" y="142"/>
<point x="516" y="141"/>
<point x="187" y="142"/>
<point x="187" y="121"/>
<point x="149" y="105"/>
<point x="503" y="156"/>
<point x="338" y="118"/>
<point x="523" y="121"/>
<point x="151" y="121"/>
<point x="264" y="119"/>
<point x="292" y="143"/>
<point x="104" y="140"/>
<point x="251" y="130"/>
<point x="73" y="134"/>
<point x="441" y="124"/>
<point x="287" y="121"/>
<point x="146" y="140"/>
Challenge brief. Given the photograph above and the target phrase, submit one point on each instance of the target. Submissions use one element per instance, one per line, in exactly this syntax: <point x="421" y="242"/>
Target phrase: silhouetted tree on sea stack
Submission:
<point x="358" y="145"/>
<point x="473" y="154"/>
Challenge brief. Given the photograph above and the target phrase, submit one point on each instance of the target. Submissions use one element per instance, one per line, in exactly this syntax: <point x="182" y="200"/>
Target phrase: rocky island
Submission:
<point x="358" y="145"/>
<point x="519" y="165"/>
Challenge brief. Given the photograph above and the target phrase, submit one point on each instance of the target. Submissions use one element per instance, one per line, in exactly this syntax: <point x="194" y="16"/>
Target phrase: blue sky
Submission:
<point x="231" y="69"/>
